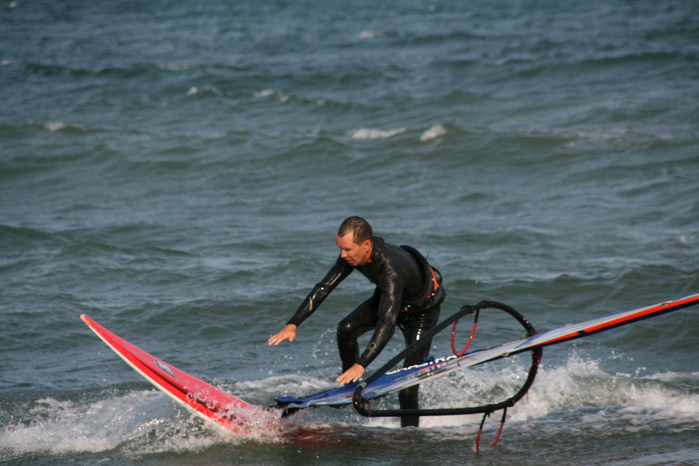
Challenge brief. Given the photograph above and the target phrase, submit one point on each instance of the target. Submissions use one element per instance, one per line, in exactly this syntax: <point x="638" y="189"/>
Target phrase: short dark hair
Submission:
<point x="359" y="227"/>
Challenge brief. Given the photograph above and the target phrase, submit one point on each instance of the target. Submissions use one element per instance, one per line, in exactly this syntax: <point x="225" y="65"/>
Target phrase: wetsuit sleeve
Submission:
<point x="321" y="290"/>
<point x="391" y="288"/>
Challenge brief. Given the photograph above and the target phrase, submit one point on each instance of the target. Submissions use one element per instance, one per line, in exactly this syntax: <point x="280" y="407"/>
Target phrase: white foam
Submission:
<point x="64" y="426"/>
<point x="573" y="387"/>
<point x="145" y="422"/>
<point x="688" y="239"/>
<point x="369" y="133"/>
<point x="687" y="457"/>
<point x="618" y="137"/>
<point x="370" y="34"/>
<point x="201" y="90"/>
<point x="139" y="422"/>
<point x="59" y="125"/>
<point x="281" y="386"/>
<point x="264" y="93"/>
<point x="433" y="133"/>
<point x="283" y="97"/>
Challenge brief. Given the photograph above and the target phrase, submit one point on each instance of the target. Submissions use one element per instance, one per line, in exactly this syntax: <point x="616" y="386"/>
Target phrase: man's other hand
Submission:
<point x="351" y="375"/>
<point x="287" y="333"/>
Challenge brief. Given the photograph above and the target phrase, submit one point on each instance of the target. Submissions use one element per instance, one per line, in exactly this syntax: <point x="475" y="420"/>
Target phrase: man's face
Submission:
<point x="355" y="254"/>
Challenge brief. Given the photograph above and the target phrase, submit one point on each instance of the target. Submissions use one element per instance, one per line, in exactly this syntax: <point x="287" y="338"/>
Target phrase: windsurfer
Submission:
<point x="408" y="294"/>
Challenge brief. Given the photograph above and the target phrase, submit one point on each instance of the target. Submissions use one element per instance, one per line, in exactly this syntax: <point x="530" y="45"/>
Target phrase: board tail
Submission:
<point x="205" y="400"/>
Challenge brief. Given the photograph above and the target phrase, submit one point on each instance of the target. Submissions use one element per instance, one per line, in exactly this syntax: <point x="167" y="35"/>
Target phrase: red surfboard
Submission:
<point x="204" y="399"/>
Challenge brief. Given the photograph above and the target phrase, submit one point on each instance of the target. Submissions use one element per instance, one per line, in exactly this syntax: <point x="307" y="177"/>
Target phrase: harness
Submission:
<point x="433" y="293"/>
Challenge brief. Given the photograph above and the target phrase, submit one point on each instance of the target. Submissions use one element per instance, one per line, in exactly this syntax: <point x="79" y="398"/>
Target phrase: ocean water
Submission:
<point x="177" y="171"/>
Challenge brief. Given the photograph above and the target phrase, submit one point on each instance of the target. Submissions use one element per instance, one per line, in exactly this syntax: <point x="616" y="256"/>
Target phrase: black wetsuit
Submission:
<point x="406" y="296"/>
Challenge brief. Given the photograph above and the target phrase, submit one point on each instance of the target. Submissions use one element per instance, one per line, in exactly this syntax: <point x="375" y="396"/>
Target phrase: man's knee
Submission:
<point x="346" y="330"/>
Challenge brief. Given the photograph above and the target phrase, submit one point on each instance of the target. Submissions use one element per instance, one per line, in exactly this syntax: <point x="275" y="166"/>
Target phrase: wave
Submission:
<point x="673" y="57"/>
<point x="132" y="70"/>
<point x="433" y="133"/>
<point x="429" y="135"/>
<point x="141" y="421"/>
<point x="60" y="126"/>
<point x="566" y="398"/>
<point x="370" y="34"/>
<point x="286" y="98"/>
<point x="369" y="133"/>
<point x="24" y="131"/>
<point x="437" y="39"/>
<point x="199" y="91"/>
<point x="569" y="390"/>
<point x="634" y="69"/>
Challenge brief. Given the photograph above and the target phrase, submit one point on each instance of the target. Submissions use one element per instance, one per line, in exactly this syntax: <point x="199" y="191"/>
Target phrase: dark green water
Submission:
<point x="177" y="171"/>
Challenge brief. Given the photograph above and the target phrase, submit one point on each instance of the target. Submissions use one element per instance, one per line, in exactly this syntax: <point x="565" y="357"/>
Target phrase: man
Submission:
<point x="408" y="295"/>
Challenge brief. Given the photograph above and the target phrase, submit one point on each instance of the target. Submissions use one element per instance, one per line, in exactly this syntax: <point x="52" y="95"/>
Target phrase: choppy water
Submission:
<point x="177" y="171"/>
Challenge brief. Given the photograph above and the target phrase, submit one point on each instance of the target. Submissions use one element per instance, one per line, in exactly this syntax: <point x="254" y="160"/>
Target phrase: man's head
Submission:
<point x="354" y="240"/>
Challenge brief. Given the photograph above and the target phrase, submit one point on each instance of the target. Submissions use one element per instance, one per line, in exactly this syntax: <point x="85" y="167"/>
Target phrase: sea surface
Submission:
<point x="177" y="171"/>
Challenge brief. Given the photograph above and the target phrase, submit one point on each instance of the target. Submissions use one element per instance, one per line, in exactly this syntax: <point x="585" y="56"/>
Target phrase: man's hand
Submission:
<point x="351" y="375"/>
<point x="287" y="333"/>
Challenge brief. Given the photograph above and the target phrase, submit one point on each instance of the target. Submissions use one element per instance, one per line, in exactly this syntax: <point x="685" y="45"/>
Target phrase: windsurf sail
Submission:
<point x="231" y="412"/>
<point x="394" y="380"/>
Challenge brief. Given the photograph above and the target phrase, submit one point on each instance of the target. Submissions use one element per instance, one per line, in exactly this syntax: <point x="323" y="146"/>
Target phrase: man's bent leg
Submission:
<point x="413" y="329"/>
<point x="358" y="322"/>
